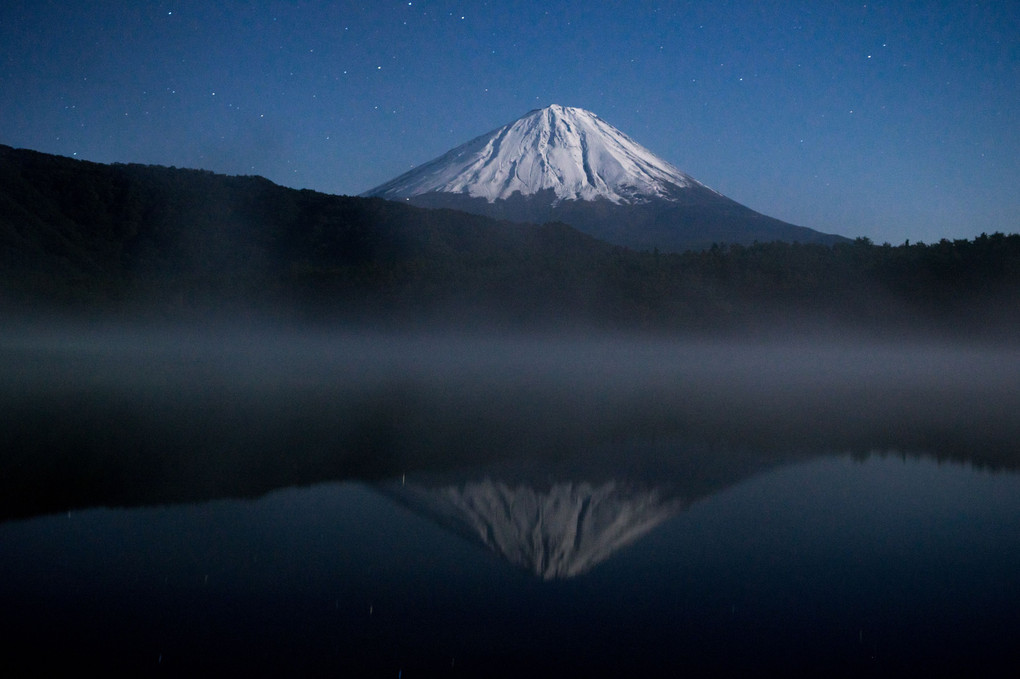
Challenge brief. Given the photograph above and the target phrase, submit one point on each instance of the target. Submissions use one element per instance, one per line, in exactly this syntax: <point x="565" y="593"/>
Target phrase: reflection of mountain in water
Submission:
<point x="554" y="525"/>
<point x="557" y="532"/>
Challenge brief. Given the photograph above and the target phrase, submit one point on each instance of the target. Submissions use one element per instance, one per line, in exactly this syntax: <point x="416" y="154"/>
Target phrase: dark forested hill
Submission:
<point x="80" y="236"/>
<point x="74" y="232"/>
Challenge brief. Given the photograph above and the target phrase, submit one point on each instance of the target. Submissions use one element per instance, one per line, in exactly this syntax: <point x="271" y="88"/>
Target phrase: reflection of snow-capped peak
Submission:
<point x="571" y="151"/>
<point x="555" y="533"/>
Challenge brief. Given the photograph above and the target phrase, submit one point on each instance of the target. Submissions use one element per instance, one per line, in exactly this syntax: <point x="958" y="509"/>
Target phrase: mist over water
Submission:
<point x="111" y="414"/>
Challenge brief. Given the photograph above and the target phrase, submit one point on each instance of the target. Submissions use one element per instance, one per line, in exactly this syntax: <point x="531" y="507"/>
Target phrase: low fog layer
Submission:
<point x="100" y="415"/>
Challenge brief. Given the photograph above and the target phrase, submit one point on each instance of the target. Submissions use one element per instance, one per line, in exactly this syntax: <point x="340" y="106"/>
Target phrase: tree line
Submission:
<point x="77" y="235"/>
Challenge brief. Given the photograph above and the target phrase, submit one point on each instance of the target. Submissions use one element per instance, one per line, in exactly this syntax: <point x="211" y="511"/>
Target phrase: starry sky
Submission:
<point x="890" y="120"/>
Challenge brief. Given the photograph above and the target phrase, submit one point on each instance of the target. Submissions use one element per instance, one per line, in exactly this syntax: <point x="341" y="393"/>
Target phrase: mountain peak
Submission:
<point x="567" y="150"/>
<point x="566" y="164"/>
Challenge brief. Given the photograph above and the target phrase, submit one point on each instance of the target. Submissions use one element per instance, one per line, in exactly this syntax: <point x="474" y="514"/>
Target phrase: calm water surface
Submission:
<point x="886" y="565"/>
<point x="218" y="502"/>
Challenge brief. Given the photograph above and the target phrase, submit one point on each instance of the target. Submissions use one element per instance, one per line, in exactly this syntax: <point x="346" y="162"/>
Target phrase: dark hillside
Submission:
<point x="85" y="237"/>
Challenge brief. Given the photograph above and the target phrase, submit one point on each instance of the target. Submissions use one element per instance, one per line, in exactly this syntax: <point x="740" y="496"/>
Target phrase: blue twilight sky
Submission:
<point x="890" y="120"/>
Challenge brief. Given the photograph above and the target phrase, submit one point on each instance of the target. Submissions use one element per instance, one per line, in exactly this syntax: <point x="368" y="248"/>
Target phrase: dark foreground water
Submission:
<point x="395" y="507"/>
<point x="885" y="566"/>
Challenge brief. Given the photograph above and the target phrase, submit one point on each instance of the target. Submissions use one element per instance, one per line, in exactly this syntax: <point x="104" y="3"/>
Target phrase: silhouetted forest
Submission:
<point x="85" y="237"/>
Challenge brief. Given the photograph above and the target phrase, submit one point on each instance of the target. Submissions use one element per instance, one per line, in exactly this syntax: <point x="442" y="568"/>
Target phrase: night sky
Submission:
<point x="890" y="120"/>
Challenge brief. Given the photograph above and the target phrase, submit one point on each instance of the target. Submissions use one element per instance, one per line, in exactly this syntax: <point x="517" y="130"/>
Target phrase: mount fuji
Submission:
<point x="566" y="164"/>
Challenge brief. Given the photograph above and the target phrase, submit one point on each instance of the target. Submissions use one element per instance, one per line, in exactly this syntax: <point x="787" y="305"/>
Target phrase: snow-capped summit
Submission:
<point x="568" y="165"/>
<point x="568" y="150"/>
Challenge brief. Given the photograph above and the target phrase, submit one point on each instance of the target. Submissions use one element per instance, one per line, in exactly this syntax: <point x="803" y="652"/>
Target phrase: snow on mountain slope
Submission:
<point x="571" y="151"/>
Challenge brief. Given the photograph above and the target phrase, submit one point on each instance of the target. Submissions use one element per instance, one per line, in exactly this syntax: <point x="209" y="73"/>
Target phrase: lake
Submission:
<point x="421" y="505"/>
